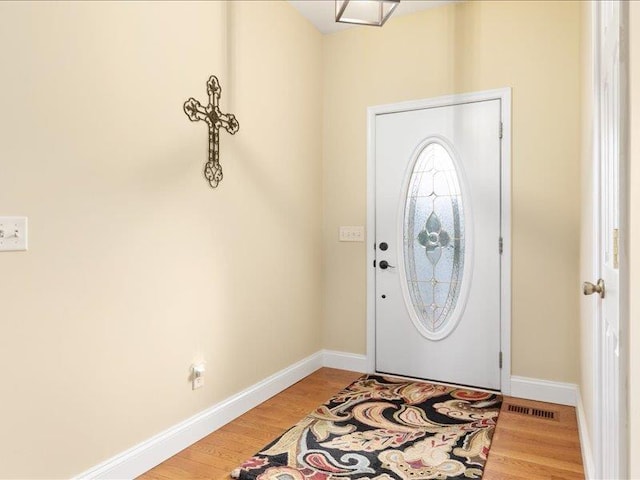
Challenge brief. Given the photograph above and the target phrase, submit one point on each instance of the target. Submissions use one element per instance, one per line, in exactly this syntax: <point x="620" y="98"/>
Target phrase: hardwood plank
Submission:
<point x="170" y="471"/>
<point x="500" y="467"/>
<point x="219" y="459"/>
<point x="189" y="468"/>
<point x="223" y="450"/>
<point x="523" y="447"/>
<point x="230" y="439"/>
<point x="252" y="428"/>
<point x="525" y="442"/>
<point x="155" y="476"/>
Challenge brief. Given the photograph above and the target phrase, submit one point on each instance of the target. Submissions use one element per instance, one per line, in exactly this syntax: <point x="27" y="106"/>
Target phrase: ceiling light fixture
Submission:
<point x="365" y="12"/>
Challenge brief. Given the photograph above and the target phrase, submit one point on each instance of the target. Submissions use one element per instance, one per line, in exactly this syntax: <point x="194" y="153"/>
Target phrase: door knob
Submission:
<point x="384" y="265"/>
<point x="589" y="288"/>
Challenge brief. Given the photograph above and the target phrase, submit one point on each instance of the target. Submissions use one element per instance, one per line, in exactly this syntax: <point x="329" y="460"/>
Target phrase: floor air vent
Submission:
<point x="532" y="412"/>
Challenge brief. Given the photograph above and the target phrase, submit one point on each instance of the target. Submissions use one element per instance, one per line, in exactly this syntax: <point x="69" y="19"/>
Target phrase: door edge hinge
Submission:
<point x="501" y="131"/>
<point x="501" y="245"/>
<point x="500" y="359"/>
<point x="616" y="248"/>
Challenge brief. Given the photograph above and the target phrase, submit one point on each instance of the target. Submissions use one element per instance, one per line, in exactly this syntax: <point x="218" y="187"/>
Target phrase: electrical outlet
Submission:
<point x="197" y="376"/>
<point x="13" y="234"/>
<point x="352" y="234"/>
<point x="198" y="383"/>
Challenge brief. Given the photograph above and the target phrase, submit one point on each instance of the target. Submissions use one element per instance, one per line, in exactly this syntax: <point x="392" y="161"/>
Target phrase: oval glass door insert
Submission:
<point x="434" y="241"/>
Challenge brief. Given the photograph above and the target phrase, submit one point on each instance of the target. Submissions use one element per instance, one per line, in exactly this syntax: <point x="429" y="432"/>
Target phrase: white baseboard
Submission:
<point x="544" y="390"/>
<point x="585" y="441"/>
<point x="345" y="361"/>
<point x="148" y="454"/>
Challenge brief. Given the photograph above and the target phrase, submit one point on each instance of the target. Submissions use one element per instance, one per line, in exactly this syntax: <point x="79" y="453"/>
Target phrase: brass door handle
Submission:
<point x="589" y="288"/>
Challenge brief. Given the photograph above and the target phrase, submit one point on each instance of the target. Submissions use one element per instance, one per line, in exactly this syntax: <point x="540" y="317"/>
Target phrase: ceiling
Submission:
<point x="322" y="12"/>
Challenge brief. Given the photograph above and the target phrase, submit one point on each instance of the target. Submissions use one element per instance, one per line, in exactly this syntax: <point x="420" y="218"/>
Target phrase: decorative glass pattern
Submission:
<point x="434" y="239"/>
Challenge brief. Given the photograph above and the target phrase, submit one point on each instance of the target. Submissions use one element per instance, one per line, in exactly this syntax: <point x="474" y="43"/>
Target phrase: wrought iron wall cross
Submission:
<point x="215" y="119"/>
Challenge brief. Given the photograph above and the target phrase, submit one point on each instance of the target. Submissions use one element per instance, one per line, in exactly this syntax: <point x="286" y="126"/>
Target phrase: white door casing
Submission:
<point x="446" y="114"/>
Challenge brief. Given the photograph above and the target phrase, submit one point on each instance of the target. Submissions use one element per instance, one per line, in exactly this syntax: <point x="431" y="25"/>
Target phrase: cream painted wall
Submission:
<point x="634" y="250"/>
<point x="533" y="47"/>
<point x="136" y="268"/>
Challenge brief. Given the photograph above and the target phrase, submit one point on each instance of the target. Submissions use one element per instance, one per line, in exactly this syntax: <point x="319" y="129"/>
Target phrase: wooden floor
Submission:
<point x="523" y="447"/>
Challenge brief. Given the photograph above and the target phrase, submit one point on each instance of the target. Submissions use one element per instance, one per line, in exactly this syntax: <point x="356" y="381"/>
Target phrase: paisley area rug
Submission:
<point x="383" y="428"/>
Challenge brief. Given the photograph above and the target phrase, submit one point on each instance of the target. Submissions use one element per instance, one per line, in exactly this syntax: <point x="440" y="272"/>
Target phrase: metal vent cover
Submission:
<point x="531" y="412"/>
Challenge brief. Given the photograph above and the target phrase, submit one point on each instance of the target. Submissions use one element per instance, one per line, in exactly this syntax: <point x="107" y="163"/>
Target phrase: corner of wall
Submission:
<point x="585" y="439"/>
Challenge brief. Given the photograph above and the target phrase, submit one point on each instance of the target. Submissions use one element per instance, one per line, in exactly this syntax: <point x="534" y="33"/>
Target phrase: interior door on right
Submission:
<point x="613" y="418"/>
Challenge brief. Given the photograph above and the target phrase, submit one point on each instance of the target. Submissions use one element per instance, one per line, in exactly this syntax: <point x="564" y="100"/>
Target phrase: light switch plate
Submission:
<point x="13" y="234"/>
<point x="352" y="234"/>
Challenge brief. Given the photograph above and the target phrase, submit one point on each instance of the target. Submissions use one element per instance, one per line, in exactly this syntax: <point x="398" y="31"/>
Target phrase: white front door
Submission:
<point x="438" y="237"/>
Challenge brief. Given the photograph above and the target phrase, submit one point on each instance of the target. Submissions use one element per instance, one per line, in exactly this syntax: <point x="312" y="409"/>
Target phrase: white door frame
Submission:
<point x="596" y="346"/>
<point x="504" y="95"/>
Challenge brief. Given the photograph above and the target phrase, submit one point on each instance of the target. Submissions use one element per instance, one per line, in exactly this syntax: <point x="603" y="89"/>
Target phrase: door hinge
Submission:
<point x="616" y="251"/>
<point x="501" y="128"/>
<point x="501" y="245"/>
<point x="500" y="359"/>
